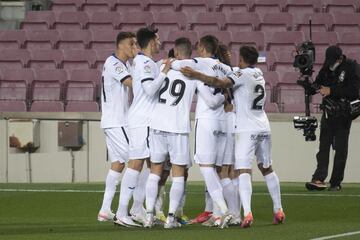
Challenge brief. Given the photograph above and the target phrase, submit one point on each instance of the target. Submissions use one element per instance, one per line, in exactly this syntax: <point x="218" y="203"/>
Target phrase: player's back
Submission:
<point x="144" y="69"/>
<point x="174" y="104"/>
<point x="250" y="95"/>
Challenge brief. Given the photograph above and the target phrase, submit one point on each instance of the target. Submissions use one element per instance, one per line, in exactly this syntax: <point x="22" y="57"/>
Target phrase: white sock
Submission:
<point x="208" y="201"/>
<point x="216" y="210"/>
<point x="213" y="185"/>
<point x="245" y="189"/>
<point x="152" y="187"/>
<point x="229" y="192"/>
<point x="159" y="204"/>
<point x="129" y="183"/>
<point x="180" y="210"/>
<point x="235" y="182"/>
<point x="112" y="180"/>
<point x="139" y="192"/>
<point x="176" y="193"/>
<point x="273" y="184"/>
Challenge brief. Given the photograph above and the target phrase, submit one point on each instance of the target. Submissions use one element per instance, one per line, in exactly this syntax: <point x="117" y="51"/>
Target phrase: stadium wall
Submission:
<point x="294" y="159"/>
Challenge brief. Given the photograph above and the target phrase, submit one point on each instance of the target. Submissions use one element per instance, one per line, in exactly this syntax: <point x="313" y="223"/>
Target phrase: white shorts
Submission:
<point x="251" y="144"/>
<point x="167" y="164"/>
<point x="173" y="145"/>
<point x="229" y="156"/>
<point x="117" y="144"/>
<point x="139" y="143"/>
<point x="210" y="141"/>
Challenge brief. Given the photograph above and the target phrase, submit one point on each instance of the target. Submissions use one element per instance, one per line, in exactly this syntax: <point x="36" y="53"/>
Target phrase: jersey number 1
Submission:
<point x="175" y="91"/>
<point x="259" y="89"/>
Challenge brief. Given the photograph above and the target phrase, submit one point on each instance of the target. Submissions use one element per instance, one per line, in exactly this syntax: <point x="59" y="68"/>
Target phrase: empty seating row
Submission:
<point x="338" y="21"/>
<point x="207" y="5"/>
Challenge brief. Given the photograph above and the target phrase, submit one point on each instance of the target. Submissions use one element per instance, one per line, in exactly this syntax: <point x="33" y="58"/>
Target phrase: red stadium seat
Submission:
<point x="14" y="84"/>
<point x="104" y="21"/>
<point x="303" y="7"/>
<point x="276" y="22"/>
<point x="12" y="106"/>
<point x="320" y="22"/>
<point x="283" y="62"/>
<point x="271" y="78"/>
<point x="90" y="75"/>
<point x="244" y="22"/>
<point x="212" y="21"/>
<point x="46" y="90"/>
<point x="59" y="75"/>
<point x="223" y="36"/>
<point x="74" y="39"/>
<point x="67" y="5"/>
<point x="284" y="41"/>
<point x="38" y="20"/>
<point x="231" y="6"/>
<point x="168" y="21"/>
<point x="268" y="6"/>
<point x="247" y="38"/>
<point x="41" y="39"/>
<point x="104" y="39"/>
<point x="289" y="77"/>
<point x="169" y="42"/>
<point x="271" y="107"/>
<point x="130" y="5"/>
<point x="80" y="91"/>
<point x="101" y="56"/>
<point x="322" y="40"/>
<point x="346" y="22"/>
<point x="12" y="39"/>
<point x="344" y="6"/>
<point x="349" y="42"/>
<point x="354" y="54"/>
<point x="79" y="59"/>
<point x="76" y="106"/>
<point x="22" y="74"/>
<point x="47" y="106"/>
<point x="14" y="58"/>
<point x="71" y="20"/>
<point x="46" y="59"/>
<point x="91" y="6"/>
<point x="135" y="20"/>
<point x="295" y="107"/>
<point x="157" y="6"/>
<point x="192" y="7"/>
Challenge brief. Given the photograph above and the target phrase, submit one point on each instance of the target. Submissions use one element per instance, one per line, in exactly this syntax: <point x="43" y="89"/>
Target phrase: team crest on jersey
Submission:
<point x="119" y="69"/>
<point x="147" y="69"/>
<point x="342" y="76"/>
<point x="238" y="73"/>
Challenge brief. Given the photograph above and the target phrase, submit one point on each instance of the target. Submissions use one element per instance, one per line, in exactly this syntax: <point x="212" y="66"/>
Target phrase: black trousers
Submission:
<point x="333" y="132"/>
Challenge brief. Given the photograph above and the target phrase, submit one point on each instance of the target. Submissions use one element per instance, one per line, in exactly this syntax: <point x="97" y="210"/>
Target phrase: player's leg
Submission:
<point x="182" y="218"/>
<point x="234" y="176"/>
<point x="138" y="153"/>
<point x="263" y="155"/>
<point x="159" y="204"/>
<point x="117" y="146"/>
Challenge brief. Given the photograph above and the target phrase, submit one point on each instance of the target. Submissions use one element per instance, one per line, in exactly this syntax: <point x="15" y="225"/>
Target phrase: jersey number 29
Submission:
<point x="177" y="90"/>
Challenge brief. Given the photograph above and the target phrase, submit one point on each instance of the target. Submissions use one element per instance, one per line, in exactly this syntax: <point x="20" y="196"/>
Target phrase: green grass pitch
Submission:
<point x="72" y="215"/>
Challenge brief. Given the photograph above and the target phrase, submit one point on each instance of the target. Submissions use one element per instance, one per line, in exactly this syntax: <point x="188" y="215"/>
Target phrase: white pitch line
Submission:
<point x="101" y="191"/>
<point x="337" y="236"/>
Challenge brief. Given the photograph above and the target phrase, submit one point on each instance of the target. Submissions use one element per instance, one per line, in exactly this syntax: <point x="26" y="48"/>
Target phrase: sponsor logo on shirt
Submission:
<point x="147" y="69"/>
<point x="119" y="69"/>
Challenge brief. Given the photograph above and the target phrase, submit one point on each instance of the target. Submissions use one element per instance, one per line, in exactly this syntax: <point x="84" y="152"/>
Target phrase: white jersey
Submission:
<point x="173" y="104"/>
<point x="114" y="95"/>
<point x="249" y="95"/>
<point x="144" y="69"/>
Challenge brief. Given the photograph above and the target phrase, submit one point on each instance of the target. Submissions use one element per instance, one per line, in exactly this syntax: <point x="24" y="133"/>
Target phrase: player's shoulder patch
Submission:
<point x="147" y="68"/>
<point x="238" y="73"/>
<point x="119" y="69"/>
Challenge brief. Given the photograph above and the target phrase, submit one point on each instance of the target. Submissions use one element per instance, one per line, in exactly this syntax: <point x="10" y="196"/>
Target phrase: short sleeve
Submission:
<point x="147" y="70"/>
<point x="237" y="78"/>
<point x="120" y="72"/>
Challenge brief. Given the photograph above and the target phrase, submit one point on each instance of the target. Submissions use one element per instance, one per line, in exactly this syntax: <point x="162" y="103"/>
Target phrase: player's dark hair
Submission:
<point x="171" y="53"/>
<point x="249" y="54"/>
<point x="210" y="43"/>
<point x="184" y="45"/>
<point x="123" y="35"/>
<point x="223" y="54"/>
<point x="145" y="35"/>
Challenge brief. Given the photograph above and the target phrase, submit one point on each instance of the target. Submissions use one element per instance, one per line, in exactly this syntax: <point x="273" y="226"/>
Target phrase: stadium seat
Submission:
<point x="71" y="20"/>
<point x="91" y="6"/>
<point x="349" y="42"/>
<point x="66" y="5"/>
<point x="41" y="39"/>
<point x="271" y="107"/>
<point x="354" y="54"/>
<point x="74" y="39"/>
<point x="101" y="56"/>
<point x="46" y="59"/>
<point x="103" y="39"/>
<point x="268" y="6"/>
<point x="301" y="8"/>
<point x="212" y="21"/>
<point x="14" y="58"/>
<point x="135" y="20"/>
<point x="271" y="78"/>
<point x="46" y="90"/>
<point x="76" y="106"/>
<point x="130" y="5"/>
<point x="59" y="75"/>
<point x="82" y="86"/>
<point x="289" y="77"/>
<point x="157" y="6"/>
<point x="168" y="43"/>
<point x="346" y="22"/>
<point x="283" y="41"/>
<point x="249" y="38"/>
<point x="276" y="22"/>
<point x="90" y="75"/>
<point x="38" y="20"/>
<point x="192" y="7"/>
<point x="223" y="36"/>
<point x="22" y="74"/>
<point x="295" y="107"/>
<point x="12" y="106"/>
<point x="13" y="90"/>
<point x="231" y="6"/>
<point x="244" y="22"/>
<point x="47" y="106"/>
<point x="168" y="21"/>
<point x="104" y="21"/>
<point x="283" y="62"/>
<point x="12" y="39"/>
<point x="344" y="6"/>
<point x="79" y="59"/>
<point x="320" y="22"/>
<point x="322" y="40"/>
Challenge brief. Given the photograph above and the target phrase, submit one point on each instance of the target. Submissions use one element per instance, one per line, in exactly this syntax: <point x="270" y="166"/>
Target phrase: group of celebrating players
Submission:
<point x="231" y="128"/>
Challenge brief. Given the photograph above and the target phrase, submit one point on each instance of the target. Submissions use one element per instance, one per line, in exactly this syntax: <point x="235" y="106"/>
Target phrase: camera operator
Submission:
<point x="338" y="83"/>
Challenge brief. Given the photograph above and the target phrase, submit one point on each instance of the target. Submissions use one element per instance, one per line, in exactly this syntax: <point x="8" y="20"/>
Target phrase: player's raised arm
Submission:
<point x="179" y="64"/>
<point x="213" y="100"/>
<point x="212" y="81"/>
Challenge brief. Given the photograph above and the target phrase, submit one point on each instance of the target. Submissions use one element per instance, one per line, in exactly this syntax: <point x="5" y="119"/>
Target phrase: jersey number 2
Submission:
<point x="259" y="89"/>
<point x="175" y="91"/>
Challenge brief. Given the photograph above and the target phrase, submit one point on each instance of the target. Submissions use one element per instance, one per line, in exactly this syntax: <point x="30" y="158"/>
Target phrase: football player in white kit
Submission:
<point x="116" y="82"/>
<point x="147" y="79"/>
<point x="252" y="129"/>
<point x="171" y="137"/>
